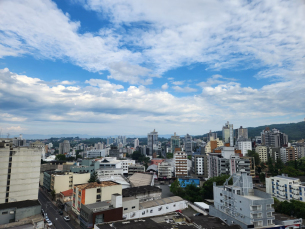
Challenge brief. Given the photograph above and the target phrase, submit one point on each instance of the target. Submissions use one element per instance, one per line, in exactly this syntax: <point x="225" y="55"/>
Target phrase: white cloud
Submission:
<point x="164" y="86"/>
<point x="170" y="78"/>
<point x="15" y="128"/>
<point x="215" y="80"/>
<point x="184" y="89"/>
<point x="178" y="82"/>
<point x="11" y="118"/>
<point x="104" y="84"/>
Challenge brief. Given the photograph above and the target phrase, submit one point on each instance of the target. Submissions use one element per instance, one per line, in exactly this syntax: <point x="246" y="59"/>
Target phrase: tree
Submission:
<point x="53" y="193"/>
<point x="252" y="153"/>
<point x="262" y="177"/>
<point x="60" y="157"/>
<point x="93" y="177"/>
<point x="189" y="157"/>
<point x="169" y="155"/>
<point x="279" y="165"/>
<point x="207" y="187"/>
<point x="79" y="156"/>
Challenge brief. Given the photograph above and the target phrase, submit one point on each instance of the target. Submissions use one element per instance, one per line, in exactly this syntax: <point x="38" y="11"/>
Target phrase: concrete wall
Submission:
<point x="6" y="216"/>
<point x="27" y="212"/>
<point x="109" y="190"/>
<point x="130" y="205"/>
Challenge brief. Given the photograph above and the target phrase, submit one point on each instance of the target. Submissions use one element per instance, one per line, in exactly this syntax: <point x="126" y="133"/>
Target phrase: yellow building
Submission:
<point x="213" y="144"/>
<point x="262" y="152"/>
<point x="93" y="192"/>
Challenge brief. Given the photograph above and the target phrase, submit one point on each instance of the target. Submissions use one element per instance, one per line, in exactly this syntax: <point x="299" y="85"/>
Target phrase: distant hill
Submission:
<point x="295" y="131"/>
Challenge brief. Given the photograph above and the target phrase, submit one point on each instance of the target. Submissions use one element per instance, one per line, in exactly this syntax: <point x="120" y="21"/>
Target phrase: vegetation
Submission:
<point x="60" y="157"/>
<point x="93" y="178"/>
<point x="138" y="156"/>
<point x="252" y="153"/>
<point x="295" y="208"/>
<point x="292" y="168"/>
<point x="169" y="155"/>
<point x="198" y="194"/>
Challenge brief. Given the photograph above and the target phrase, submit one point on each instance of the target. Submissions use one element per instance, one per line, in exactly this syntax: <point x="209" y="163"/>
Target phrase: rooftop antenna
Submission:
<point x="8" y="135"/>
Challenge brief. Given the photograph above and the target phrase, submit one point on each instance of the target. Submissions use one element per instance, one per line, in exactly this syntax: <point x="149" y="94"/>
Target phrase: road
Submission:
<point x="52" y="211"/>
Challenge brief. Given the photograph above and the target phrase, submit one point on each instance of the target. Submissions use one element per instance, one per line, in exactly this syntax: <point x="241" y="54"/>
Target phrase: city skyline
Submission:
<point x="103" y="68"/>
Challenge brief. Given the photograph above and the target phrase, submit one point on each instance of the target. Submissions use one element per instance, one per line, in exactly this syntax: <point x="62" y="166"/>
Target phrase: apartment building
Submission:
<point x="180" y="159"/>
<point x="62" y="181"/>
<point x="244" y="145"/>
<point x="188" y="144"/>
<point x="291" y="154"/>
<point x="93" y="192"/>
<point x="164" y="170"/>
<point x="285" y="188"/>
<point x="132" y="169"/>
<point x="213" y="144"/>
<point x="175" y="142"/>
<point x="283" y="154"/>
<point x="262" y="152"/>
<point x="109" y="172"/>
<point x="19" y="172"/>
<point x="200" y="165"/>
<point x="241" y="204"/>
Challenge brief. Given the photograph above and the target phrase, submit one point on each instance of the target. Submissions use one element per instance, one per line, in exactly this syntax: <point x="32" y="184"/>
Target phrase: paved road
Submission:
<point x="51" y="210"/>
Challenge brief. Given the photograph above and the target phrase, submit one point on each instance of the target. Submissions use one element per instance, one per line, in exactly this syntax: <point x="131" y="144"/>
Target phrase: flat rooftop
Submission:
<point x="284" y="177"/>
<point x="19" y="204"/>
<point x="140" y="179"/>
<point x="96" y="185"/>
<point x="127" y="192"/>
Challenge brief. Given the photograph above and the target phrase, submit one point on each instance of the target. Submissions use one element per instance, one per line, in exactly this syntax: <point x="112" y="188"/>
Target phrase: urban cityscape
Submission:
<point x="124" y="114"/>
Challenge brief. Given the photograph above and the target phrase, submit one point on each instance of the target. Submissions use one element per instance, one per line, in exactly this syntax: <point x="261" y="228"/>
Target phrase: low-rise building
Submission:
<point x="97" y="153"/>
<point x="165" y="170"/>
<point x="109" y="172"/>
<point x="120" y="179"/>
<point x="66" y="196"/>
<point x="141" y="179"/>
<point x="85" y="166"/>
<point x="285" y="188"/>
<point x="143" y="193"/>
<point x="241" y="204"/>
<point x="93" y="192"/>
<point x="132" y="169"/>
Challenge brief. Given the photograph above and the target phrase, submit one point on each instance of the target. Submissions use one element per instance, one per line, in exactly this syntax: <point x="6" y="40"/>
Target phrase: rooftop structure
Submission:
<point x="96" y="185"/>
<point x="141" y="179"/>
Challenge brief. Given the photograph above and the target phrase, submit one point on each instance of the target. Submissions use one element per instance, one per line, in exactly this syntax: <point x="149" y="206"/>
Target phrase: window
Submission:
<point x="4" y="213"/>
<point x="151" y="211"/>
<point x="125" y="209"/>
<point x="133" y="207"/>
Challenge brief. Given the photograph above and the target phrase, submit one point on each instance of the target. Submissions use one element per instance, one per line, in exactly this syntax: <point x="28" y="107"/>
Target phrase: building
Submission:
<point x="109" y="172"/>
<point x="165" y="170"/>
<point x="122" y="180"/>
<point x="41" y="146"/>
<point x="61" y="181"/>
<point x="66" y="196"/>
<point x="213" y="144"/>
<point x="115" y="152"/>
<point x="19" y="141"/>
<point x="152" y="139"/>
<point x="227" y="133"/>
<point x="181" y="168"/>
<point x="200" y="165"/>
<point x="143" y="193"/>
<point x="188" y="144"/>
<point x="99" y="145"/>
<point x="291" y="154"/>
<point x="211" y="136"/>
<point x="19" y="172"/>
<point x="283" y="154"/>
<point x="136" y="143"/>
<point x="90" y="193"/>
<point x="274" y="138"/>
<point x="141" y="179"/>
<point x="97" y="153"/>
<point x="262" y="152"/>
<point x="132" y="169"/>
<point x="241" y="133"/>
<point x="64" y="147"/>
<point x="156" y="161"/>
<point x="244" y="145"/>
<point x="252" y="165"/>
<point x="285" y="188"/>
<point x="16" y="211"/>
<point x="183" y="182"/>
<point x="85" y="166"/>
<point x="101" y="212"/>
<point x="175" y="142"/>
<point x="241" y="204"/>
<point x="274" y="153"/>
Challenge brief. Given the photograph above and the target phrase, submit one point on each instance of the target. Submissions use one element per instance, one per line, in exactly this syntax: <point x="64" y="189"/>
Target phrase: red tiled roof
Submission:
<point x="68" y="192"/>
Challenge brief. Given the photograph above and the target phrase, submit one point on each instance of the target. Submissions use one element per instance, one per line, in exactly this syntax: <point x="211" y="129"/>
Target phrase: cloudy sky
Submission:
<point x="104" y="67"/>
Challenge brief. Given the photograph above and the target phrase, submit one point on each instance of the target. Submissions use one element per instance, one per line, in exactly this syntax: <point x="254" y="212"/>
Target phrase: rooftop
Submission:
<point x="286" y="177"/>
<point x="96" y="185"/>
<point x="19" y="204"/>
<point x="127" y="192"/>
<point x="140" y="179"/>
<point x="68" y="192"/>
<point x="98" y="206"/>
<point x="159" y="202"/>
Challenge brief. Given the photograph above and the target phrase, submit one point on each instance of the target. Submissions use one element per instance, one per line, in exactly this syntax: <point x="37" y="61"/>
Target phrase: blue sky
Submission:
<point x="102" y="67"/>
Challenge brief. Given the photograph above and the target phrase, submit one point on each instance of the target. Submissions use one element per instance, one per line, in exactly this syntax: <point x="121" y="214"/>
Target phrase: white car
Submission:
<point x="67" y="218"/>
<point x="49" y="223"/>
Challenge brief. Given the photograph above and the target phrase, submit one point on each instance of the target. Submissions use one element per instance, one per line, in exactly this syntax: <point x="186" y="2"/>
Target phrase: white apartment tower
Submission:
<point x="244" y="145"/>
<point x="152" y="139"/>
<point x="19" y="172"/>
<point x="136" y="143"/>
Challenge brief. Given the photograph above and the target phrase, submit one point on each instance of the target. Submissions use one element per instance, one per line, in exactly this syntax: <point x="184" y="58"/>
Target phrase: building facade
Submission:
<point x="188" y="144"/>
<point x="164" y="170"/>
<point x="262" y="152"/>
<point x="64" y="147"/>
<point x="241" y="204"/>
<point x="213" y="144"/>
<point x="274" y="138"/>
<point x="152" y="139"/>
<point x="175" y="142"/>
<point x="200" y="165"/>
<point x="180" y="159"/>
<point x="244" y="145"/>
<point x="228" y="133"/>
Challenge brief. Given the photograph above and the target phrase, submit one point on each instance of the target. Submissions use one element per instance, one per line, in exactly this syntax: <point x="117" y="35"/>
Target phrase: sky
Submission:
<point x="126" y="67"/>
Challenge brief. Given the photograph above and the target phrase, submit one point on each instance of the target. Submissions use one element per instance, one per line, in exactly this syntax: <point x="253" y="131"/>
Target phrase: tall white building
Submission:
<point x="285" y="188"/>
<point x="152" y="139"/>
<point x="41" y="147"/>
<point x="227" y="133"/>
<point x="19" y="172"/>
<point x="283" y="154"/>
<point x="244" y="145"/>
<point x="175" y="142"/>
<point x="136" y="143"/>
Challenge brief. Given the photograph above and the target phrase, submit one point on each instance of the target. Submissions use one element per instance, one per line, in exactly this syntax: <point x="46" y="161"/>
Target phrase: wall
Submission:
<point x="80" y="178"/>
<point x="5" y="218"/>
<point x="109" y="190"/>
<point x="110" y="215"/>
<point x="27" y="212"/>
<point x="158" y="210"/>
<point x="131" y="205"/>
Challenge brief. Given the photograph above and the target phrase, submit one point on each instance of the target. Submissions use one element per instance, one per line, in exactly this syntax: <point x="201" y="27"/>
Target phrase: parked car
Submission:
<point x="42" y="212"/>
<point x="67" y="218"/>
<point x="60" y="212"/>
<point x="49" y="223"/>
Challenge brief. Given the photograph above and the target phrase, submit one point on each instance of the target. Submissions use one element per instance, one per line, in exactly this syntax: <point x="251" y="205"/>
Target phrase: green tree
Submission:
<point x="189" y="157"/>
<point x="252" y="153"/>
<point x="207" y="188"/>
<point x="60" y="157"/>
<point x="53" y="194"/>
<point x="169" y="155"/>
<point x="93" y="178"/>
<point x="262" y="177"/>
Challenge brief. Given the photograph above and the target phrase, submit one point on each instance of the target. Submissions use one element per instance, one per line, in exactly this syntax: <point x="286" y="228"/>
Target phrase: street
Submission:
<point x="53" y="215"/>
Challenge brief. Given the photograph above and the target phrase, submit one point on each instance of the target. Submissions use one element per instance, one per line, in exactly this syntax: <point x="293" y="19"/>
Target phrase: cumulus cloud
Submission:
<point x="164" y="86"/>
<point x="178" y="82"/>
<point x="184" y="89"/>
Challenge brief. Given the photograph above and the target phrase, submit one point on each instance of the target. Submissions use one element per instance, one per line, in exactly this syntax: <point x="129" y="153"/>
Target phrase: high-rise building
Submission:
<point x="291" y="153"/>
<point x="180" y="159"/>
<point x="262" y="152"/>
<point x="211" y="135"/>
<point x="175" y="142"/>
<point x="227" y="133"/>
<point x="41" y="146"/>
<point x="241" y="133"/>
<point x="200" y="165"/>
<point x="136" y="143"/>
<point x="19" y="172"/>
<point x="244" y="145"/>
<point x="19" y="141"/>
<point x="274" y="138"/>
<point x="213" y="144"/>
<point x="188" y="144"/>
<point x="152" y="139"/>
<point x="64" y="147"/>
